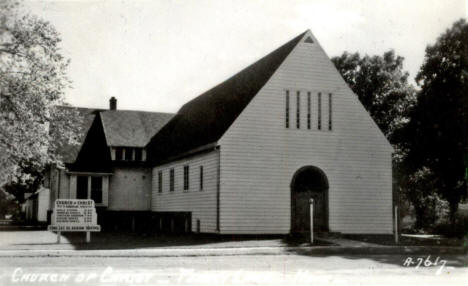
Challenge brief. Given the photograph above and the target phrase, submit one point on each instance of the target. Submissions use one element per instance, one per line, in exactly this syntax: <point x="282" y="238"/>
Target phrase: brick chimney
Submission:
<point x="113" y="103"/>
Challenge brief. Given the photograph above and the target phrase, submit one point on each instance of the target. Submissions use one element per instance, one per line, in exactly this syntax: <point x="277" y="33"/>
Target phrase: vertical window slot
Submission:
<point x="329" y="111"/>
<point x="287" y="109"/>
<point x="308" y="110"/>
<point x="298" y="110"/>
<point x="319" y="111"/>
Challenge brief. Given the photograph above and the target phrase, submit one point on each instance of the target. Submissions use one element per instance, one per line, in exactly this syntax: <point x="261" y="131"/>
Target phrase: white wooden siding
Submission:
<point x="130" y="189"/>
<point x="202" y="204"/>
<point x="43" y="204"/>
<point x="259" y="156"/>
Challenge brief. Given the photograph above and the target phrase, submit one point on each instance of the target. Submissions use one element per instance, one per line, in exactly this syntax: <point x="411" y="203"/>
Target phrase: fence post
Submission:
<point x="396" y="225"/>
<point x="311" y="220"/>
<point x="58" y="236"/>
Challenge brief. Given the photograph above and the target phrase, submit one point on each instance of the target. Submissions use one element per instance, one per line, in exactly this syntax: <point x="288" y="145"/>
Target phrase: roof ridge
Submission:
<point x="208" y="116"/>
<point x="138" y="111"/>
<point x="300" y="36"/>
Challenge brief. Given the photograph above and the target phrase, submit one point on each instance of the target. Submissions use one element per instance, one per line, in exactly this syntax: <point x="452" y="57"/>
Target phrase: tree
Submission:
<point x="8" y="205"/>
<point x="381" y="85"/>
<point x="435" y="132"/>
<point x="32" y="83"/>
<point x="420" y="189"/>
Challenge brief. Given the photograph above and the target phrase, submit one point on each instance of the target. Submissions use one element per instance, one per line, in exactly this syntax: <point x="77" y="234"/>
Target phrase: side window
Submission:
<point x="186" y="178"/>
<point x="128" y="154"/>
<point x="201" y="178"/>
<point x="96" y="189"/>
<point x="118" y="153"/>
<point x="171" y="180"/>
<point x="138" y="154"/>
<point x="82" y="187"/>
<point x="160" y="182"/>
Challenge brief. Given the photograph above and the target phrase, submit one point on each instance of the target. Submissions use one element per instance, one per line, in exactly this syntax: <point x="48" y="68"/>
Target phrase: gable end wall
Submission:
<point x="259" y="156"/>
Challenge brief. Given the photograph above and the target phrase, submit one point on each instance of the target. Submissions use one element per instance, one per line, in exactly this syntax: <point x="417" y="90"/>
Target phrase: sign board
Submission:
<point x="74" y="215"/>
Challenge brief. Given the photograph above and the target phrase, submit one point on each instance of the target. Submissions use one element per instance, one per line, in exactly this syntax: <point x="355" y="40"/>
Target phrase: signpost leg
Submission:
<point x="58" y="236"/>
<point x="311" y="220"/>
<point x="396" y="225"/>
<point x="88" y="237"/>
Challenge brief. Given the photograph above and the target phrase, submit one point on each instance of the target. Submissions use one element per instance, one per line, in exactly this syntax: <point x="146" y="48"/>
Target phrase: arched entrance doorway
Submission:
<point x="309" y="182"/>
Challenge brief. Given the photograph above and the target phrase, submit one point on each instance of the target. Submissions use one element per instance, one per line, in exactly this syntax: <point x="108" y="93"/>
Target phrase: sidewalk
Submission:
<point x="40" y="243"/>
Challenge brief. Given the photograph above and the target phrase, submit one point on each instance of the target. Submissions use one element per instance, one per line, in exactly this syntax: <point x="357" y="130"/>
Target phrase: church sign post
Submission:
<point x="74" y="215"/>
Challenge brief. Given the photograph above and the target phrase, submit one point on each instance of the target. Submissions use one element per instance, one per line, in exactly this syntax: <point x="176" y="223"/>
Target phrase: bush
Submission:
<point x="427" y="207"/>
<point x="458" y="229"/>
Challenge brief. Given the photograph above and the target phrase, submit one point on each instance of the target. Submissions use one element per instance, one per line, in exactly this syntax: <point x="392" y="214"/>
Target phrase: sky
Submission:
<point x="157" y="55"/>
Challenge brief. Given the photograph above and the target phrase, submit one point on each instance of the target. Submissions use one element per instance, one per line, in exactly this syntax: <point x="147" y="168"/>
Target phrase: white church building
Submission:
<point x="246" y="156"/>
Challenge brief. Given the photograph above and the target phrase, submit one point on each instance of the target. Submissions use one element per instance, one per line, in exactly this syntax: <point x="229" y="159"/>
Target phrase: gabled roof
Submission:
<point x="206" y="118"/>
<point x="70" y="152"/>
<point x="132" y="128"/>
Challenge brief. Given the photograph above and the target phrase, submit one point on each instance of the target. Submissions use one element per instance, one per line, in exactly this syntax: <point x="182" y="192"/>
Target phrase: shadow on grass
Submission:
<point x="7" y="228"/>
<point x="129" y="240"/>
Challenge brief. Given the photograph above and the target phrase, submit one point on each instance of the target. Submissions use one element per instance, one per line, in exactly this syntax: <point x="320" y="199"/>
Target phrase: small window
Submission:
<point x="82" y="187"/>
<point x="171" y="180"/>
<point x="329" y="111"/>
<point x="308" y="110"/>
<point x="186" y="178"/>
<point x="160" y="182"/>
<point x="118" y="153"/>
<point x="96" y="189"/>
<point x="138" y="154"/>
<point x="319" y="112"/>
<point x="201" y="178"/>
<point x="287" y="108"/>
<point x="298" y="110"/>
<point x="309" y="40"/>
<point x="128" y="154"/>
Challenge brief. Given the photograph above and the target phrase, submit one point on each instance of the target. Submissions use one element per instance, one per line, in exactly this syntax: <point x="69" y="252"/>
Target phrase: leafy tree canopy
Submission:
<point x="381" y="85"/>
<point x="32" y="82"/>
<point x="437" y="130"/>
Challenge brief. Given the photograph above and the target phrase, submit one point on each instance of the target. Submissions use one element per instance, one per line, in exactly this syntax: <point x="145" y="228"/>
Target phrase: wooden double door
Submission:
<point x="309" y="183"/>
<point x="301" y="211"/>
